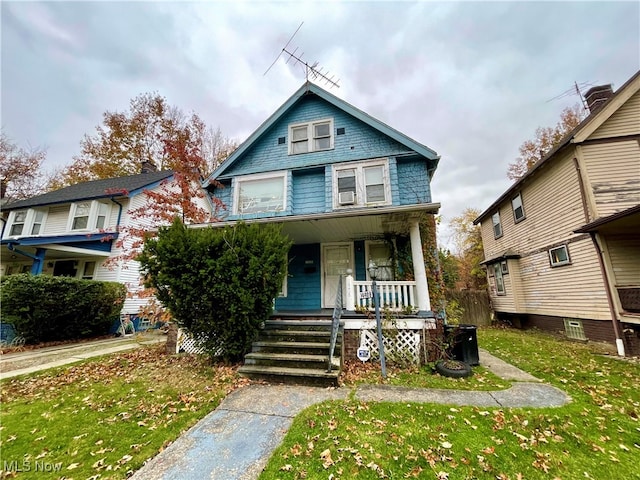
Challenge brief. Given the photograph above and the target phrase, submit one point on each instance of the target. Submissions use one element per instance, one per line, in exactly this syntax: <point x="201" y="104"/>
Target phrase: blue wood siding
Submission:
<point x="223" y="193"/>
<point x="308" y="191"/>
<point x="303" y="281"/>
<point x="360" y="141"/>
<point x="412" y="182"/>
<point x="360" y="260"/>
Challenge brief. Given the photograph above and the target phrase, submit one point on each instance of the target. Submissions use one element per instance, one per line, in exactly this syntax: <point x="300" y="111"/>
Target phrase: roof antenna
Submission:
<point x="575" y="90"/>
<point x="311" y="71"/>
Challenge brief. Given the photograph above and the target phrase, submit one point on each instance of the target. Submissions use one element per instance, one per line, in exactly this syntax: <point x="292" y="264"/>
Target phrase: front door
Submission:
<point x="336" y="259"/>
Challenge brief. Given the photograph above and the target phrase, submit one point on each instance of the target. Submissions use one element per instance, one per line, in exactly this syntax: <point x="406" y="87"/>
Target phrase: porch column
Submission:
<point x="350" y="297"/>
<point x="38" y="261"/>
<point x="419" y="271"/>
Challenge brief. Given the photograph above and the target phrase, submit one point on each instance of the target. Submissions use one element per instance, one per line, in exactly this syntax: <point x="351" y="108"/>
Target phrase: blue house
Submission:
<point x="350" y="192"/>
<point x="345" y="187"/>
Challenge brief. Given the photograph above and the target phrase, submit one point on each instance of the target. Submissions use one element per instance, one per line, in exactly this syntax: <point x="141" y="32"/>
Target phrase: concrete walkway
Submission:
<point x="31" y="361"/>
<point x="235" y="441"/>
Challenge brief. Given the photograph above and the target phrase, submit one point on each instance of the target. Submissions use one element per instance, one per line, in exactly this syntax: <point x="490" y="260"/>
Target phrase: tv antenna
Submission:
<point x="311" y="70"/>
<point x="575" y="90"/>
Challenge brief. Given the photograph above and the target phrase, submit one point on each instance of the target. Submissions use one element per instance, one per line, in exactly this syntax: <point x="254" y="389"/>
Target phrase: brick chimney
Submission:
<point x="148" y="167"/>
<point x="596" y="97"/>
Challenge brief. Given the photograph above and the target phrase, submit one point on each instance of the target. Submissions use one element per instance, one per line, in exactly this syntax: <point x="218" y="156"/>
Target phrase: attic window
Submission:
<point x="311" y="137"/>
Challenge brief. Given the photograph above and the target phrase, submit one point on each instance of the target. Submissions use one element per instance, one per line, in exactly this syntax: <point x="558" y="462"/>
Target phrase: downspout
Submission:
<point x="120" y="207"/>
<point x="605" y="277"/>
<point x="38" y="258"/>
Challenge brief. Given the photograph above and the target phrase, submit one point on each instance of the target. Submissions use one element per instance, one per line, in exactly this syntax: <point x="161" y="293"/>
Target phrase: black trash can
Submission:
<point x="464" y="343"/>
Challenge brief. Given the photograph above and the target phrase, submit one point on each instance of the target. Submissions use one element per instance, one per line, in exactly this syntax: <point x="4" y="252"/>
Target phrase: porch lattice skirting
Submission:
<point x="187" y="343"/>
<point x="399" y="345"/>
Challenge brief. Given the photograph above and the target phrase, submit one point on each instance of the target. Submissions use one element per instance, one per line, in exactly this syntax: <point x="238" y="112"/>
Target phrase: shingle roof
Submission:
<point x="91" y="190"/>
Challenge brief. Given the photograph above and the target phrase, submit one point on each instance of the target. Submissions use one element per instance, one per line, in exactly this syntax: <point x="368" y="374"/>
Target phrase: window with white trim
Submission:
<point x="26" y="222"/>
<point x="497" y="271"/>
<point x="559" y="256"/>
<point x="81" y="216"/>
<point x="88" y="270"/>
<point x="89" y="215"/>
<point x="17" y="225"/>
<point x="497" y="225"/>
<point x="38" y="220"/>
<point x="361" y="184"/>
<point x="311" y="137"/>
<point x="261" y="193"/>
<point x="518" y="208"/>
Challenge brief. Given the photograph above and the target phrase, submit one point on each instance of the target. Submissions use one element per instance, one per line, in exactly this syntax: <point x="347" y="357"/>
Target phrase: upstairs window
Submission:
<point x="19" y="219"/>
<point x="81" y="216"/>
<point x="311" y="137"/>
<point x="497" y="226"/>
<point x="26" y="222"/>
<point x="518" y="208"/>
<point x="89" y="215"/>
<point x="361" y="184"/>
<point x="38" y="218"/>
<point x="260" y="193"/>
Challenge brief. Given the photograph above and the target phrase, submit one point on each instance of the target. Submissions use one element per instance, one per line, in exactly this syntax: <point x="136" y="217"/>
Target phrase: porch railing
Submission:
<point x="335" y="324"/>
<point x="395" y="295"/>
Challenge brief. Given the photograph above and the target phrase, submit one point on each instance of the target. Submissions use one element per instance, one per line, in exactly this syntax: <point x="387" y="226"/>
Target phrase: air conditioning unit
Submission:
<point x="347" y="198"/>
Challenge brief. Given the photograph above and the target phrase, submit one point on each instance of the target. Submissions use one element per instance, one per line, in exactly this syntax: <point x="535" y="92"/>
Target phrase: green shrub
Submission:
<point x="218" y="283"/>
<point x="43" y="308"/>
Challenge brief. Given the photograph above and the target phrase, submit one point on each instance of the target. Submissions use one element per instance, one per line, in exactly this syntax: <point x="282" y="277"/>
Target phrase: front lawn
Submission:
<point x="103" y="418"/>
<point x="596" y="436"/>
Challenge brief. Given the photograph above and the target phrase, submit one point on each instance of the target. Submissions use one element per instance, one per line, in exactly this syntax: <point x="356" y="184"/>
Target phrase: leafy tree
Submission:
<point x="449" y="267"/>
<point x="176" y="197"/>
<point x="470" y="252"/>
<point x="218" y="283"/>
<point x="20" y="169"/>
<point x="532" y="151"/>
<point x="143" y="133"/>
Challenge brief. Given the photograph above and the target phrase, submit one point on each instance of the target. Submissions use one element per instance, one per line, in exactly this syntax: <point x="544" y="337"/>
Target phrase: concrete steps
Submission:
<point x="294" y="351"/>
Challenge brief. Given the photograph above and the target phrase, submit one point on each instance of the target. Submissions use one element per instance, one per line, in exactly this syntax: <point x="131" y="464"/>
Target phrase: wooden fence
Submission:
<point x="475" y="305"/>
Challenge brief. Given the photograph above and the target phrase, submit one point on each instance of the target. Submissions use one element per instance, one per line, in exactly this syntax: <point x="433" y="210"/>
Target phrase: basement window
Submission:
<point x="573" y="329"/>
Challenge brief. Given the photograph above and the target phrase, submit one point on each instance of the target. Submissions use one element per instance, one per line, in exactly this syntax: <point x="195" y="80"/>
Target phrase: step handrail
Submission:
<point x="335" y="323"/>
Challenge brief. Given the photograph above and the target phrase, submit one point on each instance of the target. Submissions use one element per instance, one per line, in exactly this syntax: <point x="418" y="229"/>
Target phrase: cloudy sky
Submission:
<point x="471" y="80"/>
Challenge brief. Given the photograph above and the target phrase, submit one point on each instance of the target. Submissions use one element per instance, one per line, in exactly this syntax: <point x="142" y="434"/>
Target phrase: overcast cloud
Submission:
<point x="470" y="80"/>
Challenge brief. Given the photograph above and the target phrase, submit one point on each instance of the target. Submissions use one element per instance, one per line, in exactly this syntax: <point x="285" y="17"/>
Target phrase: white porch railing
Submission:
<point x="396" y="296"/>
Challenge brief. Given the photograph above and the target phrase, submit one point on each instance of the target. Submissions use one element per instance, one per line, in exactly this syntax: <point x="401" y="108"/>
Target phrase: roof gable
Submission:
<point x="286" y="113"/>
<point x="576" y="136"/>
<point x="92" y="190"/>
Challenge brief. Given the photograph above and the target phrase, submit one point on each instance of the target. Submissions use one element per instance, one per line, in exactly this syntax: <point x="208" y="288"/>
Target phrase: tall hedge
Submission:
<point x="43" y="308"/>
<point x="218" y="283"/>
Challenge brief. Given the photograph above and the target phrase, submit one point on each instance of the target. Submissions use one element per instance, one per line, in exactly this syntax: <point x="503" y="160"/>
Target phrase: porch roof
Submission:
<point x="628" y="219"/>
<point x="352" y="224"/>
